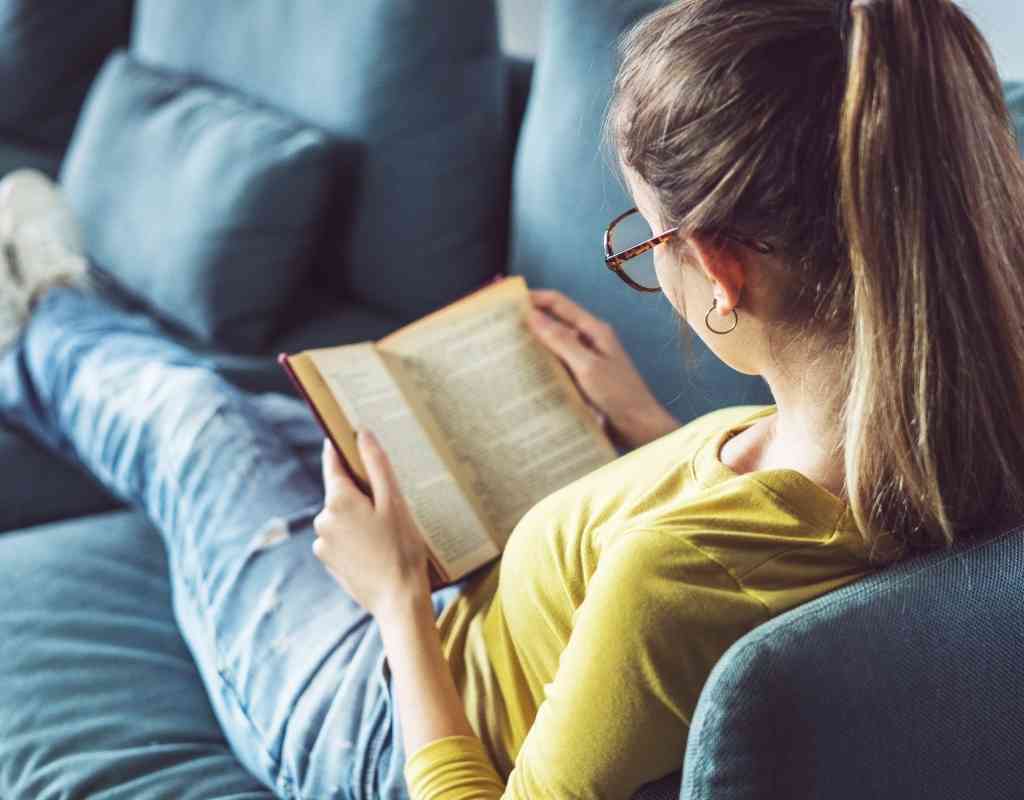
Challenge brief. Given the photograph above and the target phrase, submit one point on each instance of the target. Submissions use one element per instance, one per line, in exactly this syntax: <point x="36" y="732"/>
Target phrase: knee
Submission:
<point x="179" y="393"/>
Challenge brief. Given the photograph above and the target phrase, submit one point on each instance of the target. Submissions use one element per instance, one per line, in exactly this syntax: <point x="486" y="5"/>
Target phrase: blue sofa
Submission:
<point x="488" y="165"/>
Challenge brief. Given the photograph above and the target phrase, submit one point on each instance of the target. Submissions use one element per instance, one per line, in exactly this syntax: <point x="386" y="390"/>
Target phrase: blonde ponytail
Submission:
<point x="931" y="189"/>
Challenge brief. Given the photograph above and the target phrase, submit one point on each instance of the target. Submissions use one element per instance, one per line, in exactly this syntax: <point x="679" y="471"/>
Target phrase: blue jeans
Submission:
<point x="293" y="666"/>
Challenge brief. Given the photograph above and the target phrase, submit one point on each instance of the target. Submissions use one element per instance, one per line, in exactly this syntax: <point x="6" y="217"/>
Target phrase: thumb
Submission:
<point x="562" y="339"/>
<point x="383" y="482"/>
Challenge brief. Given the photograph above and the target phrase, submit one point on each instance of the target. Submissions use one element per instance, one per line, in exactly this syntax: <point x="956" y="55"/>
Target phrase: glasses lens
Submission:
<point x="634" y="230"/>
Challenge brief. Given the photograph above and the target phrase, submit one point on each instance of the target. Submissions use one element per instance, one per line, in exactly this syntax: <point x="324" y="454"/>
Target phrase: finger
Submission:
<point x="557" y="304"/>
<point x="336" y="480"/>
<point x="382" y="476"/>
<point x="322" y="555"/>
<point x="564" y="341"/>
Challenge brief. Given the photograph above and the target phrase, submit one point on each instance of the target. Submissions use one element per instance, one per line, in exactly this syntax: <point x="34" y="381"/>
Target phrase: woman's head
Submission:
<point x="869" y="145"/>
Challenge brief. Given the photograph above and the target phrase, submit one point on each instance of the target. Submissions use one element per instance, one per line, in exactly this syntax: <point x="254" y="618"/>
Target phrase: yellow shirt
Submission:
<point x="580" y="655"/>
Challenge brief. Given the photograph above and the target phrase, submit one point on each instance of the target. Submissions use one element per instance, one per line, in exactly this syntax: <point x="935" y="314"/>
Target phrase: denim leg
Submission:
<point x="293" y="666"/>
<point x="292" y="421"/>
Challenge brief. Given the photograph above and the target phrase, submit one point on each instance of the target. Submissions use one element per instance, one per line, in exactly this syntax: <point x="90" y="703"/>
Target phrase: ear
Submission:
<point x="724" y="270"/>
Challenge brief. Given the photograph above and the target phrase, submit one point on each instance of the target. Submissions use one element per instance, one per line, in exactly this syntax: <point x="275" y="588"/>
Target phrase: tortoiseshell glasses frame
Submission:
<point x="614" y="261"/>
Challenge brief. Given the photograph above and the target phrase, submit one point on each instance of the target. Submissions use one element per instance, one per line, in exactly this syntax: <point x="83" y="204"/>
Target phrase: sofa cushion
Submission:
<point x="99" y="696"/>
<point x="565" y="194"/>
<point x="417" y="90"/>
<point x="325" y="322"/>
<point x="49" y="53"/>
<point x="39" y="486"/>
<point x="202" y="203"/>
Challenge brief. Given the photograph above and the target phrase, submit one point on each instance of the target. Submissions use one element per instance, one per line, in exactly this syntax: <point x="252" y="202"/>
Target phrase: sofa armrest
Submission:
<point x="906" y="683"/>
<point x="665" y="789"/>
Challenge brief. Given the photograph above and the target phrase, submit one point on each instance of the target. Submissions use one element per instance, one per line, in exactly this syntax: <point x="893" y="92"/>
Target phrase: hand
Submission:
<point x="373" y="548"/>
<point x="601" y="368"/>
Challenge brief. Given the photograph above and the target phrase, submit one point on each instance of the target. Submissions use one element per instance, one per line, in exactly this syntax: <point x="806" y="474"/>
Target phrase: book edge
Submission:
<point x="437" y="575"/>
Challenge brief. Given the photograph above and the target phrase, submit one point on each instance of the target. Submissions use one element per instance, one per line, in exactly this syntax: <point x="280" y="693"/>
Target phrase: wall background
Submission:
<point x="1002" y="22"/>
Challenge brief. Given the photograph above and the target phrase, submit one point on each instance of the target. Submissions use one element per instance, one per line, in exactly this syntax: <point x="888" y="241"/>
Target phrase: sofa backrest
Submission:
<point x="565" y="192"/>
<point x="1015" y="102"/>
<point x="49" y="53"/>
<point x="417" y="93"/>
<point x="907" y="684"/>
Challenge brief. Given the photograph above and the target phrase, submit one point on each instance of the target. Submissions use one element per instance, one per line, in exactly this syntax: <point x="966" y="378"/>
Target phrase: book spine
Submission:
<point x="282" y="359"/>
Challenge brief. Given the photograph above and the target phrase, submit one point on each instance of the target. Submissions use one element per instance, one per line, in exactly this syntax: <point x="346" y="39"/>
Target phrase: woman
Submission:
<point x="810" y="224"/>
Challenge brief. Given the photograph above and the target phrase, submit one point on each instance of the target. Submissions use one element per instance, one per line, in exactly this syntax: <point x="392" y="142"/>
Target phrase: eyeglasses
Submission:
<point x="628" y="239"/>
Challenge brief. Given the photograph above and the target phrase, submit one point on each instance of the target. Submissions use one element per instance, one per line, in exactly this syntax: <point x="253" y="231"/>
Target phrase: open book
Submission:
<point x="479" y="419"/>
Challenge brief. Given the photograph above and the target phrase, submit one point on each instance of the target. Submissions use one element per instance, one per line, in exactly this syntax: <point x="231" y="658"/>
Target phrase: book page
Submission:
<point x="506" y="406"/>
<point x="369" y="396"/>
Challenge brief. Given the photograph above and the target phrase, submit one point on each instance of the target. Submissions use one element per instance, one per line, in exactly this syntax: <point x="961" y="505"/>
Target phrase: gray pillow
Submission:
<point x="197" y="201"/>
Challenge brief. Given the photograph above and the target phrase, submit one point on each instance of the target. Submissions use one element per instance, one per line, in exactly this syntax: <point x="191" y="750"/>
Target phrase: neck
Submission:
<point x="806" y="433"/>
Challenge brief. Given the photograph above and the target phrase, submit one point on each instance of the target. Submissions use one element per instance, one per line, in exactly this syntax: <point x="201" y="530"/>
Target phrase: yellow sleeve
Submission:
<point x="452" y="768"/>
<point x="656" y="616"/>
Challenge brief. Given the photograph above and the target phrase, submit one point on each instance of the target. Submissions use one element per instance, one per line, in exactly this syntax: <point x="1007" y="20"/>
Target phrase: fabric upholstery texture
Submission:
<point x="197" y="200"/>
<point x="417" y="93"/>
<point x="49" y="53"/>
<point x="665" y="789"/>
<point x="17" y="155"/>
<point x="1015" y="102"/>
<point x="100" y="695"/>
<point x="43" y="486"/>
<point x="566" y="192"/>
<point x="904" y="685"/>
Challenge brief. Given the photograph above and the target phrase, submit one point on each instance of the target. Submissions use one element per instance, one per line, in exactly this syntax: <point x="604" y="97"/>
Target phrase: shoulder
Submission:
<point x="723" y="418"/>
<point x="652" y="567"/>
<point x="686" y="439"/>
<point x="662" y="605"/>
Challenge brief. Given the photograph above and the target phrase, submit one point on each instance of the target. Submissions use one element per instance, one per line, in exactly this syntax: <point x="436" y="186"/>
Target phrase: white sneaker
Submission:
<point x="32" y="203"/>
<point x="39" y="232"/>
<point x="14" y="302"/>
<point x="40" y="247"/>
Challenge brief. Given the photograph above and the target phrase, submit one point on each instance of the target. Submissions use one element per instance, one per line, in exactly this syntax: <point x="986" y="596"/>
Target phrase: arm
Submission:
<point x="374" y="549"/>
<point x="600" y="366"/>
<point x="657" y="616"/>
<point x="430" y="707"/>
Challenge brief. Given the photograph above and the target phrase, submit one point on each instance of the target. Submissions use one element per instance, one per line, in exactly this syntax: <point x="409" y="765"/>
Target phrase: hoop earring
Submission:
<point x="707" y="319"/>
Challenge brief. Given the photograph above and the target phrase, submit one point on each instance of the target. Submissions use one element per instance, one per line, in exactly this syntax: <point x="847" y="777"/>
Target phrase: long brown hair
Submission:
<point x="879" y="158"/>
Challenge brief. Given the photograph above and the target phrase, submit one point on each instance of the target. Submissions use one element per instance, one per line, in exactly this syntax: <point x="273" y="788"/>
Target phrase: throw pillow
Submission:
<point x="196" y="200"/>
